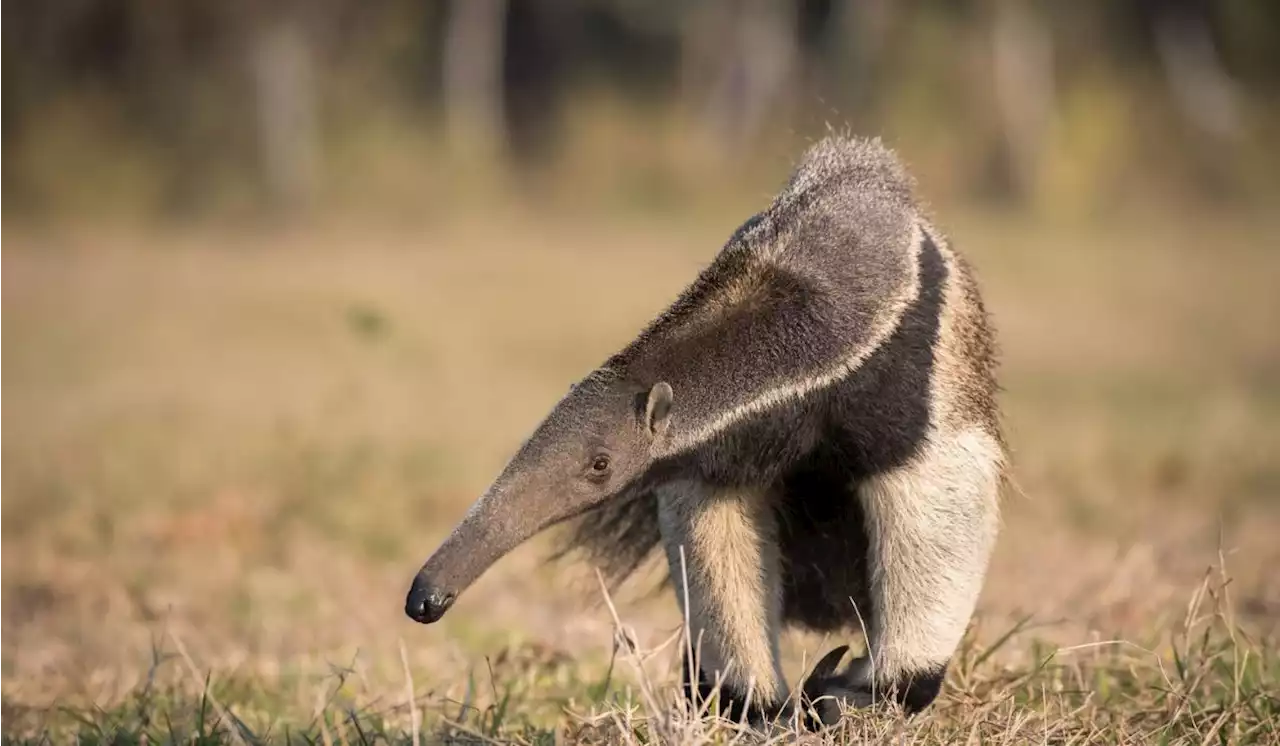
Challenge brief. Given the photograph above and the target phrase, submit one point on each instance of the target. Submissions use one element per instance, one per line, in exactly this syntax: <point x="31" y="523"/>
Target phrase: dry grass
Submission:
<point x="226" y="453"/>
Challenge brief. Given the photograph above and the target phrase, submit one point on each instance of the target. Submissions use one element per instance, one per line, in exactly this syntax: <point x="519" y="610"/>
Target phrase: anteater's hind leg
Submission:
<point x="932" y="527"/>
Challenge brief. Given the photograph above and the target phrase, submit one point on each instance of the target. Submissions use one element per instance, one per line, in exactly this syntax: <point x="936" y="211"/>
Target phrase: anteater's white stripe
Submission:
<point x="882" y="327"/>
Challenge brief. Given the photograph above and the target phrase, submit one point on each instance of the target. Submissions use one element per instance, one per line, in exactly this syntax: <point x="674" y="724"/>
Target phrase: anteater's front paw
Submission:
<point x="828" y="691"/>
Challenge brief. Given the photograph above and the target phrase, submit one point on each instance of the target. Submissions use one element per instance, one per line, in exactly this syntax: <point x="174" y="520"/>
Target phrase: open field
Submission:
<point x="226" y="453"/>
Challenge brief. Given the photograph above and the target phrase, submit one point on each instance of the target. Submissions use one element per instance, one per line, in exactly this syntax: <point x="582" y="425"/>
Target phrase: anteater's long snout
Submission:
<point x="427" y="602"/>
<point x="491" y="528"/>
<point x="511" y="511"/>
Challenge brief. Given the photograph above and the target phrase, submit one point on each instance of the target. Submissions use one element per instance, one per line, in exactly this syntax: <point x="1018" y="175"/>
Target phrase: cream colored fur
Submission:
<point x="932" y="526"/>
<point x="730" y="558"/>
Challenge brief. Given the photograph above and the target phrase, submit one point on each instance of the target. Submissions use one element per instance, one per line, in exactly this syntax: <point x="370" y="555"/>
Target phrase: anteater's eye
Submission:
<point x="600" y="465"/>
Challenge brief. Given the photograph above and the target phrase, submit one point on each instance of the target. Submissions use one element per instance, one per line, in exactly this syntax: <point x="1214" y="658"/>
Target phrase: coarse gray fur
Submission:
<point x="819" y="445"/>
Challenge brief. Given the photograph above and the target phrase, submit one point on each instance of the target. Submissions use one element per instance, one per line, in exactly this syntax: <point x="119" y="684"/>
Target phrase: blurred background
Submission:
<point x="172" y="110"/>
<point x="286" y="283"/>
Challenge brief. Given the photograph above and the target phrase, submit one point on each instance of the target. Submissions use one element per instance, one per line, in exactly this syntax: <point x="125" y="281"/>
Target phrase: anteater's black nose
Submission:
<point x="426" y="603"/>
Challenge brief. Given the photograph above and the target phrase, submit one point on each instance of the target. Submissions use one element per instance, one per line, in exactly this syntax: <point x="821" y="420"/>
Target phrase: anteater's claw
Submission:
<point x="827" y="691"/>
<point x="827" y="666"/>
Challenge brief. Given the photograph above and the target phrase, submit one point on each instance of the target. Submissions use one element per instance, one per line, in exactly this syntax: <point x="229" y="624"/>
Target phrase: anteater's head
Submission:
<point x="597" y="445"/>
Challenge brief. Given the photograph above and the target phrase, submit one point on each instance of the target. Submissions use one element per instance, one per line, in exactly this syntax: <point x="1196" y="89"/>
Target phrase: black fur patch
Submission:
<point x="823" y="548"/>
<point x="883" y="409"/>
<point x="917" y="691"/>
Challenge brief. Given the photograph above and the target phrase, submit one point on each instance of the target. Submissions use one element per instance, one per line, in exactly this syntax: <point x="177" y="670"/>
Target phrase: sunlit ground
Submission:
<point x="227" y="451"/>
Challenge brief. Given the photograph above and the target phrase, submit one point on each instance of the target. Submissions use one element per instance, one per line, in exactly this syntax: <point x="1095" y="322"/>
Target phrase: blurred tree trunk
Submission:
<point x="865" y="33"/>
<point x="1022" y="70"/>
<point x="474" y="44"/>
<point x="1203" y="90"/>
<point x="283" y="76"/>
<point x="539" y="38"/>
<point x="813" y="27"/>
<point x="741" y="58"/>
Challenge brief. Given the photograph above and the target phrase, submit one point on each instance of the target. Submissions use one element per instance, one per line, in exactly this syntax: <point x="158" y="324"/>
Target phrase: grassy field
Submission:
<point x="226" y="453"/>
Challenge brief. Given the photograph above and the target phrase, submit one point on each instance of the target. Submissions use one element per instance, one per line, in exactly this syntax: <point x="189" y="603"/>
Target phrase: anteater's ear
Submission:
<point x="657" y="411"/>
